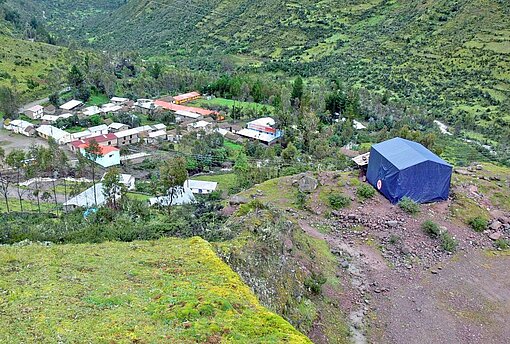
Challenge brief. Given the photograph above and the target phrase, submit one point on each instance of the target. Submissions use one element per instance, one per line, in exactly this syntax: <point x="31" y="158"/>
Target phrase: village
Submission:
<point x="125" y="146"/>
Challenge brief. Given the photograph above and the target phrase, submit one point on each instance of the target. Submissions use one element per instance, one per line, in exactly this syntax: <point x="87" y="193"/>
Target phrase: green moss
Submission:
<point x="150" y="292"/>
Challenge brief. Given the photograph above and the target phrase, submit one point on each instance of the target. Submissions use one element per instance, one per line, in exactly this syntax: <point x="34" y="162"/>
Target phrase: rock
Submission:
<point x="434" y="272"/>
<point x="504" y="220"/>
<point x="495" y="225"/>
<point x="237" y="200"/>
<point x="352" y="217"/>
<point x="308" y="184"/>
<point x="495" y="236"/>
<point x="345" y="264"/>
<point x="392" y="223"/>
<point x="479" y="167"/>
<point x="462" y="172"/>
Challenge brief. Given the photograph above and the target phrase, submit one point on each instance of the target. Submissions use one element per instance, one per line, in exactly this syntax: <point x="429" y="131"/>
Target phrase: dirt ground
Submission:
<point x="467" y="301"/>
<point x="404" y="288"/>
<point x="10" y="141"/>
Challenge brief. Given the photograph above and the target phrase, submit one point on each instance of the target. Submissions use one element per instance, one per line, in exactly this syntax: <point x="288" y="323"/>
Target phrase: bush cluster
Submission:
<point x="448" y="242"/>
<point x="431" y="228"/>
<point x="409" y="206"/>
<point x="338" y="201"/>
<point x="365" y="191"/>
<point x="479" y="224"/>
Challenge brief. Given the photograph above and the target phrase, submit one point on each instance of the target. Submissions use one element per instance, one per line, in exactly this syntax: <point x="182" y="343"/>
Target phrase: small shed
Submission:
<point x="399" y="168"/>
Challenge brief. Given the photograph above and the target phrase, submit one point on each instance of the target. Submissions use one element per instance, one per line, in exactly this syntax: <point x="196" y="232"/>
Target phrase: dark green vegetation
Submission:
<point x="431" y="228"/>
<point x="479" y="224"/>
<point x="450" y="57"/>
<point x="157" y="292"/>
<point x="409" y="206"/>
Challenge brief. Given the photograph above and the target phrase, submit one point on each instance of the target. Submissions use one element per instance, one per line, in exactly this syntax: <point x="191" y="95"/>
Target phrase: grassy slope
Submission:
<point x="143" y="292"/>
<point x="449" y="56"/>
<point x="22" y="60"/>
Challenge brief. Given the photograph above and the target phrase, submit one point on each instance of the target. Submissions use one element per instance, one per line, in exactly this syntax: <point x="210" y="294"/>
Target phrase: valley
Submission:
<point x="255" y="171"/>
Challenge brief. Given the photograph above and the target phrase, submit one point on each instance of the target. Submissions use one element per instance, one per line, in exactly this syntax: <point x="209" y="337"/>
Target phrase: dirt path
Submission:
<point x="467" y="301"/>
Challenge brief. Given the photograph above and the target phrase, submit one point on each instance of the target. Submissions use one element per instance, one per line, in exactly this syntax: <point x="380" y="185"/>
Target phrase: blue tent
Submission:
<point x="400" y="167"/>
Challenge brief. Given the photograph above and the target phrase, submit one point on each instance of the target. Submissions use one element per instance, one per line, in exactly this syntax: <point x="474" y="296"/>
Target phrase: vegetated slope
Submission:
<point x="30" y="67"/>
<point x="171" y="290"/>
<point x="451" y="56"/>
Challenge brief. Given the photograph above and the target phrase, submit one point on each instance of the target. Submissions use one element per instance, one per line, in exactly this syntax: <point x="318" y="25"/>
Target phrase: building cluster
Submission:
<point x="112" y="137"/>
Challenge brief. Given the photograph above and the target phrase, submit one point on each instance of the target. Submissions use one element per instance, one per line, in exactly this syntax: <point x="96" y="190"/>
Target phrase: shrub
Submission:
<point x="301" y="199"/>
<point x="338" y="201"/>
<point x="245" y="209"/>
<point x="502" y="244"/>
<point x="315" y="282"/>
<point x="409" y="206"/>
<point x="431" y="228"/>
<point x="479" y="224"/>
<point x="365" y="191"/>
<point x="448" y="243"/>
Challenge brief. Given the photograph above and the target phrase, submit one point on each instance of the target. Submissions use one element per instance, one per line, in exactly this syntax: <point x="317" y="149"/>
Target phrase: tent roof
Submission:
<point x="403" y="153"/>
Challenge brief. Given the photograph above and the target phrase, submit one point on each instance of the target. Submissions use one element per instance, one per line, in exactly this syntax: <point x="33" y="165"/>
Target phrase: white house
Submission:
<point x="181" y="196"/>
<point x="19" y="126"/>
<point x="110" y="107"/>
<point x="53" y="118"/>
<point x="119" y="100"/>
<point x="91" y="111"/>
<point x="262" y="129"/>
<point x="35" y="112"/>
<point x="110" y="156"/>
<point x="156" y="136"/>
<point x="59" y="135"/>
<point x="71" y="105"/>
<point x="200" y="186"/>
<point x="127" y="180"/>
<point x="99" y="129"/>
<point x="200" y="125"/>
<point x="86" y="199"/>
<point x="116" y="127"/>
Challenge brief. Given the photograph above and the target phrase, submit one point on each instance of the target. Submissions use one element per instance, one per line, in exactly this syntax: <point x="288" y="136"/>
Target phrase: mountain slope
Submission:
<point x="449" y="56"/>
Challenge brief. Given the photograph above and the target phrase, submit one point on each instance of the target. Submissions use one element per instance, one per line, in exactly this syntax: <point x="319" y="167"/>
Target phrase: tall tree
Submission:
<point x="75" y="77"/>
<point x="92" y="153"/>
<point x="4" y="180"/>
<point x="173" y="174"/>
<point x="297" y="89"/>
<point x="16" y="160"/>
<point x="9" y="102"/>
<point x="113" y="189"/>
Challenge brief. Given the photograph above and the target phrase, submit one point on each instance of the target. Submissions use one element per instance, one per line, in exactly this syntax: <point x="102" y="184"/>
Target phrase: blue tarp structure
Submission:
<point x="400" y="167"/>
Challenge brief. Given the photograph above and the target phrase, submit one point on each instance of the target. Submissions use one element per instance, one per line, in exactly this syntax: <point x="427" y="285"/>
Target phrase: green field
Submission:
<point x="138" y="196"/>
<point x="28" y="206"/>
<point x="97" y="100"/>
<point x="139" y="292"/>
<point x="229" y="103"/>
<point x="225" y="181"/>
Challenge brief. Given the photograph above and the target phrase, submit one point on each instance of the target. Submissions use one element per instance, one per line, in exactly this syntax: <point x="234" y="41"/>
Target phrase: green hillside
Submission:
<point x="448" y="56"/>
<point x="166" y="291"/>
<point x="32" y="68"/>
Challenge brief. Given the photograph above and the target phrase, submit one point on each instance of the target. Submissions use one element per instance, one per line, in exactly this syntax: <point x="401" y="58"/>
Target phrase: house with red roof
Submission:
<point x="110" y="156"/>
<point x="105" y="140"/>
<point x="177" y="107"/>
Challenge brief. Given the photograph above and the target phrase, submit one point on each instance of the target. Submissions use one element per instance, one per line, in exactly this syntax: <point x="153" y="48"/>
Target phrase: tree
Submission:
<point x="289" y="153"/>
<point x="4" y="180"/>
<point x="75" y="77"/>
<point x="16" y="159"/>
<point x="54" y="99"/>
<point x="156" y="70"/>
<point x="241" y="169"/>
<point x="9" y="102"/>
<point x="173" y="174"/>
<point x="297" y="89"/>
<point x="112" y="187"/>
<point x="92" y="153"/>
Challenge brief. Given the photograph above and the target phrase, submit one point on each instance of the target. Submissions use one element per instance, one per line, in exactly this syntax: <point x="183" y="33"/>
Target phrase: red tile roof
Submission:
<point x="104" y="149"/>
<point x="98" y="138"/>
<point x="175" y="107"/>
<point x="185" y="96"/>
